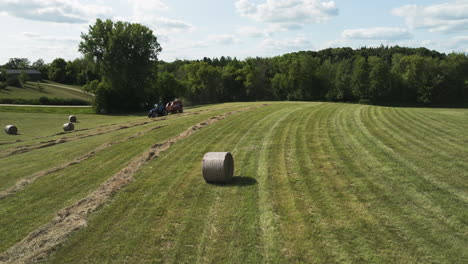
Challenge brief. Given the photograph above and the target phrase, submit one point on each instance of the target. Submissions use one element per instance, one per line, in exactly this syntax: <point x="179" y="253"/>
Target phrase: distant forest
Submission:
<point x="382" y="75"/>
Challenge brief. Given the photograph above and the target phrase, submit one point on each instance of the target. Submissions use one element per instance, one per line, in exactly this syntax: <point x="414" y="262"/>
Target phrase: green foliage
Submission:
<point x="17" y="64"/>
<point x="57" y="70"/>
<point x="124" y="55"/>
<point x="23" y="78"/>
<point x="383" y="75"/>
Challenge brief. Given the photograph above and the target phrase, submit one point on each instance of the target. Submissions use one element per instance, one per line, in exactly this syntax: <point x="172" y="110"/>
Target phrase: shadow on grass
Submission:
<point x="238" y="181"/>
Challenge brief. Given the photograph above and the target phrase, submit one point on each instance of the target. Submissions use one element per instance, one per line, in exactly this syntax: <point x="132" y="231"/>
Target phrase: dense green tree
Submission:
<point x="124" y="54"/>
<point x="17" y="64"/>
<point x="57" y="70"/>
<point x="23" y="78"/>
<point x="341" y="91"/>
<point x="379" y="79"/>
<point x="360" y="79"/>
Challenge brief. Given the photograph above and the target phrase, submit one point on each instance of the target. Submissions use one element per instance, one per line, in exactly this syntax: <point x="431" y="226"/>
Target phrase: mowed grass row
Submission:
<point x="25" y="211"/>
<point x="316" y="183"/>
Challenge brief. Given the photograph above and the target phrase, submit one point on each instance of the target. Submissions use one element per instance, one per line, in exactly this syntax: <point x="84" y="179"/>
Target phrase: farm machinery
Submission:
<point x="161" y="109"/>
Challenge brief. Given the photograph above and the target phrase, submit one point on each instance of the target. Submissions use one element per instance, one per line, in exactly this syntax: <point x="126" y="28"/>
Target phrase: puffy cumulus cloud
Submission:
<point x="223" y="39"/>
<point x="446" y="17"/>
<point x="290" y="14"/>
<point x="300" y="42"/>
<point x="146" y="7"/>
<point x="251" y="32"/>
<point x="145" y="11"/>
<point x="59" y="11"/>
<point x="377" y="33"/>
<point x="39" y="37"/>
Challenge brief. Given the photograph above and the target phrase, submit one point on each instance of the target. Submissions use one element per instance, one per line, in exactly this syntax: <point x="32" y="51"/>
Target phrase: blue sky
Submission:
<point x="49" y="29"/>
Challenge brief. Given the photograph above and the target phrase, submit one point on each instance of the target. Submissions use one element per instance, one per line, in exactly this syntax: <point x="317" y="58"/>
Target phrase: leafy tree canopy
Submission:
<point x="124" y="55"/>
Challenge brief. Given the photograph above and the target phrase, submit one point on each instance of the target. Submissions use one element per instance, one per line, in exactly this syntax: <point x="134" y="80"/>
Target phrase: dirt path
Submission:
<point x="68" y="88"/>
<point x="38" y="244"/>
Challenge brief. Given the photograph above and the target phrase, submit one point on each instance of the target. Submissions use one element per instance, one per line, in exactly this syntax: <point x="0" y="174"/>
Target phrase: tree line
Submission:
<point x="382" y="75"/>
<point x="120" y="66"/>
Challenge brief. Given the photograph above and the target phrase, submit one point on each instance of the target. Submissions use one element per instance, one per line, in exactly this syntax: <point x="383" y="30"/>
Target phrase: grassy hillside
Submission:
<point x="314" y="183"/>
<point x="34" y="91"/>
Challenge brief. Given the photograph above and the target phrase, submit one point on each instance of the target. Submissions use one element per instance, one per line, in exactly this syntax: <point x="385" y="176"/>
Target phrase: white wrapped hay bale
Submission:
<point x="11" y="129"/>
<point x="72" y="119"/>
<point x="218" y="167"/>
<point x="68" y="127"/>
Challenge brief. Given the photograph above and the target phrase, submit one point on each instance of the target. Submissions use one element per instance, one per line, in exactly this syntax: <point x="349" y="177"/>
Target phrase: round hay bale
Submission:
<point x="11" y="129"/>
<point x="218" y="167"/>
<point x="72" y="119"/>
<point x="68" y="127"/>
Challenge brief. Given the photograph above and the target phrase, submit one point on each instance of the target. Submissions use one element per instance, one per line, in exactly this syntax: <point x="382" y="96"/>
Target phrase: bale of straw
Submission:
<point x="218" y="167"/>
<point x="11" y="129"/>
<point x="72" y="119"/>
<point x="68" y="127"/>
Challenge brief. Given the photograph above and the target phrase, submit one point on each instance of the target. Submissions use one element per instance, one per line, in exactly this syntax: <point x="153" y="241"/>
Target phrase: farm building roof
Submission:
<point x="26" y="71"/>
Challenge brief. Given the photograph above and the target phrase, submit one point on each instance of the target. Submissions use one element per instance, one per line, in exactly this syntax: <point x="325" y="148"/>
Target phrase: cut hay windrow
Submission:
<point x="21" y="184"/>
<point x="103" y="130"/>
<point x="38" y="244"/>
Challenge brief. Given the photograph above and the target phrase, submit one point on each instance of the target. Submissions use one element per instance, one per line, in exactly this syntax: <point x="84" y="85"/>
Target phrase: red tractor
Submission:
<point x="174" y="107"/>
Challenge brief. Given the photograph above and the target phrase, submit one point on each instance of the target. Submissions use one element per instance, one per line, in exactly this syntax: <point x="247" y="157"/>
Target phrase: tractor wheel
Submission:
<point x="181" y="110"/>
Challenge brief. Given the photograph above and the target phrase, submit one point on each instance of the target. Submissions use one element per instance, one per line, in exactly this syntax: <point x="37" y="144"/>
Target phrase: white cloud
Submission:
<point x="300" y="42"/>
<point x="223" y="39"/>
<point x="147" y="6"/>
<point x="290" y="14"/>
<point x="59" y="11"/>
<point x="146" y="12"/>
<point x="39" y="37"/>
<point x="251" y="32"/>
<point x="447" y="17"/>
<point x="377" y="33"/>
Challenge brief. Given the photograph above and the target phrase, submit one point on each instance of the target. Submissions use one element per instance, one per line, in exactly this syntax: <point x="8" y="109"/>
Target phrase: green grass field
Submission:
<point x="314" y="183"/>
<point x="34" y="90"/>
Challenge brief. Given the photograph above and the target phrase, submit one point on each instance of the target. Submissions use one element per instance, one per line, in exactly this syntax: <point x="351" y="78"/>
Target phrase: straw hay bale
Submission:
<point x="68" y="127"/>
<point x="11" y="129"/>
<point x="72" y="119"/>
<point x="218" y="167"/>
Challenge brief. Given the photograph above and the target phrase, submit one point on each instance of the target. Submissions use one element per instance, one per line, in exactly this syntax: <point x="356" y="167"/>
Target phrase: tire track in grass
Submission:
<point x="429" y="189"/>
<point x="215" y="229"/>
<point x="39" y="243"/>
<point x="450" y="122"/>
<point x="184" y="248"/>
<point x="268" y="218"/>
<point x="425" y="160"/>
<point x="425" y="127"/>
<point x="370" y="187"/>
<point x="358" y="163"/>
<point x="413" y="139"/>
<point x="409" y="191"/>
<point x="312" y="187"/>
<point x="347" y="215"/>
<point x="22" y="183"/>
<point x="452" y="159"/>
<point x="293" y="225"/>
<point x="168" y="198"/>
<point x="179" y="196"/>
<point x="303" y="175"/>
